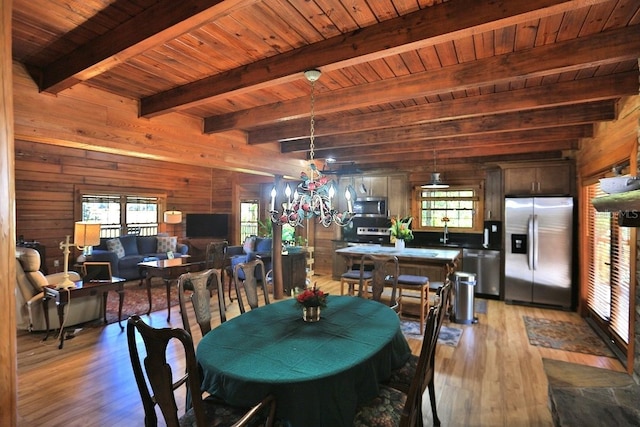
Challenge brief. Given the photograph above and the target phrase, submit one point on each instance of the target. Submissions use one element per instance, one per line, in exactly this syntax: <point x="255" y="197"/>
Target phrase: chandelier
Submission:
<point x="313" y="196"/>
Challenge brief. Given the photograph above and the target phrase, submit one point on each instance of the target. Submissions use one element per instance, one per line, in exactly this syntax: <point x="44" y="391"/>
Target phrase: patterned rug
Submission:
<point x="567" y="336"/>
<point x="137" y="302"/>
<point x="448" y="335"/>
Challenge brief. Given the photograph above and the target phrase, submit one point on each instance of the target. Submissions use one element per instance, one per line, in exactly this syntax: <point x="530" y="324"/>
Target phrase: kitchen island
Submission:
<point x="430" y="262"/>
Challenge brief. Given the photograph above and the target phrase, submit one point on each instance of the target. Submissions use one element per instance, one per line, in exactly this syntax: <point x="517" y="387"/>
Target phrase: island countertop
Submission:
<point x="438" y="256"/>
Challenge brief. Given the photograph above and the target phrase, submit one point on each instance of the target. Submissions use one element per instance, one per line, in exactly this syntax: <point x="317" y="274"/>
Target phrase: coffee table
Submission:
<point x="63" y="296"/>
<point x="168" y="270"/>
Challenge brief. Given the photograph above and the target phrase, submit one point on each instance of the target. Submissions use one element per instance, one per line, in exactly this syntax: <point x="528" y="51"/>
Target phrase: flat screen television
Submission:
<point x="207" y="225"/>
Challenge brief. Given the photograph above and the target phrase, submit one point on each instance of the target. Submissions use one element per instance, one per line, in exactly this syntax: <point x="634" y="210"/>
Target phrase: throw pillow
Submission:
<point x="129" y="244"/>
<point x="166" y="243"/>
<point x="114" y="245"/>
<point x="249" y="244"/>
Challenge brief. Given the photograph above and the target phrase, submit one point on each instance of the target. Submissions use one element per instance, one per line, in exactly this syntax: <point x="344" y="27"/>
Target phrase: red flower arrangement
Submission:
<point x="312" y="297"/>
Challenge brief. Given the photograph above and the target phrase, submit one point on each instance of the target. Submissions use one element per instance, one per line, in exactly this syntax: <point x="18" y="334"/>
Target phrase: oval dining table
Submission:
<point x="319" y="372"/>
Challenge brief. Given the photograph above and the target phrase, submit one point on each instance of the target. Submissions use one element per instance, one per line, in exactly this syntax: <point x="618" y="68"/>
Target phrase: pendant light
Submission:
<point x="436" y="181"/>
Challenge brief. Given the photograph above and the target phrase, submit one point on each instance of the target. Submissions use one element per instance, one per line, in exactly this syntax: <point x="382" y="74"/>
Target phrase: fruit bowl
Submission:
<point x="619" y="184"/>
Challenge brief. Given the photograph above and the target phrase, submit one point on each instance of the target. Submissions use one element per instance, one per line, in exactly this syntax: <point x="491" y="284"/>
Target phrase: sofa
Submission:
<point x="29" y="283"/>
<point x="252" y="248"/>
<point x="125" y="252"/>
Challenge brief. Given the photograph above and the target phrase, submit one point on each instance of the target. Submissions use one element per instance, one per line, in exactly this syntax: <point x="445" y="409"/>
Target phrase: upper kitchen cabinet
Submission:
<point x="493" y="195"/>
<point x="393" y="187"/>
<point x="542" y="179"/>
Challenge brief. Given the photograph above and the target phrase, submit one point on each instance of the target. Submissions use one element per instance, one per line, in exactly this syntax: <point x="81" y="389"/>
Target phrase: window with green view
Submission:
<point x="459" y="205"/>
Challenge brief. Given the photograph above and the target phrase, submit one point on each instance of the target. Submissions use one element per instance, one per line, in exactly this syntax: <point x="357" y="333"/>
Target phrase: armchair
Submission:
<point x="29" y="283"/>
<point x="253" y="248"/>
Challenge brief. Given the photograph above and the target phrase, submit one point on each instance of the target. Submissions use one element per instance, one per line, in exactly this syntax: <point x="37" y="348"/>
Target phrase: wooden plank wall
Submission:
<point x="48" y="176"/>
<point x="8" y="349"/>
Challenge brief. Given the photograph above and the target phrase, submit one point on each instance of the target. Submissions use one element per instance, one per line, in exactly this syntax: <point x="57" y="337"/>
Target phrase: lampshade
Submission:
<point x="173" y="217"/>
<point x="86" y="234"/>
<point x="436" y="182"/>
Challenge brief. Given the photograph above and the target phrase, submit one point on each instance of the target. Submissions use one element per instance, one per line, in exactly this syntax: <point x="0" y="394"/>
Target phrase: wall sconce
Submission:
<point x="85" y="234"/>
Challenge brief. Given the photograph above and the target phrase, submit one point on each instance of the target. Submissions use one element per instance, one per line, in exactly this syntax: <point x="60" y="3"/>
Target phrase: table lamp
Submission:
<point x="173" y="217"/>
<point x="85" y="234"/>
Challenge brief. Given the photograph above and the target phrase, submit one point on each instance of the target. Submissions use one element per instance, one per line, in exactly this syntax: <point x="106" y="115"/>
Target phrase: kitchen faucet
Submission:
<point x="445" y="234"/>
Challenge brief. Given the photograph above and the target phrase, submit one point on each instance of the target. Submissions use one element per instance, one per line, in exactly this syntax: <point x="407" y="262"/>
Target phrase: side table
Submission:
<point x="63" y="296"/>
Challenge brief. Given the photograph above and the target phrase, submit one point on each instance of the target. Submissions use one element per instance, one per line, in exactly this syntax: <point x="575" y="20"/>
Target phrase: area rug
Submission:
<point x="448" y="335"/>
<point x="567" y="336"/>
<point x="137" y="302"/>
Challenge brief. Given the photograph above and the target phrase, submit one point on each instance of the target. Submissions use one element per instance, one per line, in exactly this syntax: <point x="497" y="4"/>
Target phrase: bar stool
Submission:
<point x="410" y="282"/>
<point x="351" y="278"/>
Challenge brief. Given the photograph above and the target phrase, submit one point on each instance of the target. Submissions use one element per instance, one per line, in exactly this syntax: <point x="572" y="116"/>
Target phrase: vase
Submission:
<point x="399" y="243"/>
<point x="311" y="314"/>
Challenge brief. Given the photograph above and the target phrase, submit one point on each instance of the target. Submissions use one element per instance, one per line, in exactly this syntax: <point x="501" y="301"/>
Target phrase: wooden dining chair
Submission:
<point x="253" y="272"/>
<point x="402" y="378"/>
<point x="216" y="257"/>
<point x="392" y="407"/>
<point x="200" y="288"/>
<point x="384" y="279"/>
<point x="158" y="373"/>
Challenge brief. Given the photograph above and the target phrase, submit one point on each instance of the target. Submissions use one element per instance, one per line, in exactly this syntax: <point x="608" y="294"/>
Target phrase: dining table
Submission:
<point x="319" y="372"/>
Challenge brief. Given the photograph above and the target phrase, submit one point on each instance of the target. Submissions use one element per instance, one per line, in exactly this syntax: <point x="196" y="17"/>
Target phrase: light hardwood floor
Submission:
<point x="492" y="378"/>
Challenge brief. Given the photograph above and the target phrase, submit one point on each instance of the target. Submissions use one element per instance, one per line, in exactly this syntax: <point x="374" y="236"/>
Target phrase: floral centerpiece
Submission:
<point x="312" y="297"/>
<point x="400" y="229"/>
<point x="311" y="300"/>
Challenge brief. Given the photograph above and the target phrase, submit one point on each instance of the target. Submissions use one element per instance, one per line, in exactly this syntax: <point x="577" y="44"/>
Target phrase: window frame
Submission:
<point x="124" y="194"/>
<point x="477" y="211"/>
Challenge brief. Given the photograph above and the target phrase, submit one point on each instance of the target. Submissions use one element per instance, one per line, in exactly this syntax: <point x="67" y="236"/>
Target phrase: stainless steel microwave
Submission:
<point x="370" y="207"/>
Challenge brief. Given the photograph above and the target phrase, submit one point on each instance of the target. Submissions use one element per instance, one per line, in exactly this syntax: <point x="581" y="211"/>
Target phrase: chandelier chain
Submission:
<point x="312" y="122"/>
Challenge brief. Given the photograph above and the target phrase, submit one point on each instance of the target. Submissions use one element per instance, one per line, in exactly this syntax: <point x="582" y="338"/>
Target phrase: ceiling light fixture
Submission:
<point x="436" y="181"/>
<point x="313" y="196"/>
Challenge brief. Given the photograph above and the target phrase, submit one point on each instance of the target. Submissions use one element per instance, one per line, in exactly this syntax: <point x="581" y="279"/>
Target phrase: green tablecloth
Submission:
<point x="319" y="372"/>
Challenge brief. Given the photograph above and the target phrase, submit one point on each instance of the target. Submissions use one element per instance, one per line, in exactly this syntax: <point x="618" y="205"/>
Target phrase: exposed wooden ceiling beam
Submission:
<point x="571" y="55"/>
<point x="157" y="24"/>
<point x="535" y="119"/>
<point x="447" y="153"/>
<point x="422" y="28"/>
<point x="488" y="139"/>
<point x="564" y="93"/>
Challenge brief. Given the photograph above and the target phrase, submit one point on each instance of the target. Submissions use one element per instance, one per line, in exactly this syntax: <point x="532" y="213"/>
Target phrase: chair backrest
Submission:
<point x="412" y="412"/>
<point x="215" y="254"/>
<point x="157" y="371"/>
<point x="251" y="270"/>
<point x="386" y="270"/>
<point x="203" y="286"/>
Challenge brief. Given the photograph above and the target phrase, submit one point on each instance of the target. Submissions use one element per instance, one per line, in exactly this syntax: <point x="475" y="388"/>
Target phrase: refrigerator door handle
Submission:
<point x="535" y="242"/>
<point x="530" y="242"/>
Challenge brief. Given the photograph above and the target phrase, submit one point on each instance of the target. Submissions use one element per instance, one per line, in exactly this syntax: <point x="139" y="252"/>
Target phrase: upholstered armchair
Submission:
<point x="29" y="284"/>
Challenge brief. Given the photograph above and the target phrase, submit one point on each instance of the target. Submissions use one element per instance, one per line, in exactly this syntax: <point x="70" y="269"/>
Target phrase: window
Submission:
<point x="121" y="214"/>
<point x="458" y="204"/>
<point x="248" y="219"/>
<point x="608" y="281"/>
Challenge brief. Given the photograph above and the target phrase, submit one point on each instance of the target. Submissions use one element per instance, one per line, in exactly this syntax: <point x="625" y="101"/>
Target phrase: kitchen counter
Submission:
<point x="431" y="255"/>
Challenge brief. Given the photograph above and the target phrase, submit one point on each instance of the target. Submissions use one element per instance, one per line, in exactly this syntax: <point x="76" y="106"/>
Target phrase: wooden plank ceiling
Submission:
<point x="466" y="81"/>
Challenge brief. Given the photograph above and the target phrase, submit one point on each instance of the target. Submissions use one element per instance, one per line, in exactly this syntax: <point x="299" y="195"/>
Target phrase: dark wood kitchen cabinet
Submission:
<point x="339" y="262"/>
<point x="294" y="271"/>
<point x="549" y="179"/>
<point x="493" y="195"/>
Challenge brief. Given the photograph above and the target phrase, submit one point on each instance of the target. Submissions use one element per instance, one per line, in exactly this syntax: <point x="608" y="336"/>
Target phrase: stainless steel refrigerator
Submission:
<point x="538" y="250"/>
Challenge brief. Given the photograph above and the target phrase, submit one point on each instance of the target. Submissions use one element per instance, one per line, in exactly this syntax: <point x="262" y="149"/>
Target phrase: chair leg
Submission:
<point x="432" y="398"/>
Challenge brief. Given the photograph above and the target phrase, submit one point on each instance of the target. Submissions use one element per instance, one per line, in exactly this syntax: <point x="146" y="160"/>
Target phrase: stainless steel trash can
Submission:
<point x="463" y="302"/>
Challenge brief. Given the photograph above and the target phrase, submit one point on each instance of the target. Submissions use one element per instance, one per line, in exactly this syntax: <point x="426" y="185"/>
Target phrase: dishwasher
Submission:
<point x="485" y="263"/>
